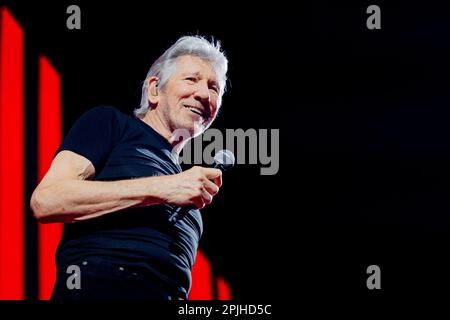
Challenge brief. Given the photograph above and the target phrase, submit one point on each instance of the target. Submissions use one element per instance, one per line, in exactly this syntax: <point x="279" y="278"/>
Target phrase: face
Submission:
<point x="189" y="98"/>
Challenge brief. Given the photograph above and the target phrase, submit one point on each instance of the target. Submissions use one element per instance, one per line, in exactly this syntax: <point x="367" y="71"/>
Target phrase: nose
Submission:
<point x="202" y="92"/>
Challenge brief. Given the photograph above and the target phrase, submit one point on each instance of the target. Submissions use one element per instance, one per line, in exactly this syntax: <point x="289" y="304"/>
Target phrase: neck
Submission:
<point x="156" y="122"/>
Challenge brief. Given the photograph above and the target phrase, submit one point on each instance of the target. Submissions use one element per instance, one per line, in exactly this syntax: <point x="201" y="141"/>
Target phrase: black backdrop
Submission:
<point x="364" y="138"/>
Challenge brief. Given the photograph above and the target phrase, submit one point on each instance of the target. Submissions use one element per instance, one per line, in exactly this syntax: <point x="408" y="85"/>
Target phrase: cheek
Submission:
<point x="214" y="108"/>
<point x="185" y="91"/>
<point x="173" y="95"/>
<point x="172" y="102"/>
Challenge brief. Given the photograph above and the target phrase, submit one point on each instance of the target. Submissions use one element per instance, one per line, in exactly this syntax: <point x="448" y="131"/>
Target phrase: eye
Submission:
<point x="214" y="88"/>
<point x="192" y="79"/>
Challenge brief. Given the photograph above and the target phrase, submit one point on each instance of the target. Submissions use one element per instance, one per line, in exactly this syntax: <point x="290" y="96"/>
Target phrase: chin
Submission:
<point x="190" y="130"/>
<point x="198" y="129"/>
<point x="194" y="128"/>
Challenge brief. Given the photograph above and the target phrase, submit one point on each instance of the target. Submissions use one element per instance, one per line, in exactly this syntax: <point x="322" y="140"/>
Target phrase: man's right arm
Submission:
<point x="66" y="193"/>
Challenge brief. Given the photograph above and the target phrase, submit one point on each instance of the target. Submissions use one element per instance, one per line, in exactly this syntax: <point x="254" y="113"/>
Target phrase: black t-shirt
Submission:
<point x="124" y="147"/>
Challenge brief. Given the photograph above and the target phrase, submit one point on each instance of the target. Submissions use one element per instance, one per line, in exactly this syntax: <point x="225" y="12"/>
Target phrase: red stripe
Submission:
<point x="223" y="290"/>
<point x="49" y="138"/>
<point x="201" y="279"/>
<point x="11" y="158"/>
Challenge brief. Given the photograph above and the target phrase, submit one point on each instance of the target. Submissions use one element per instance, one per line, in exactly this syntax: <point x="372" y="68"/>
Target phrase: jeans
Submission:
<point x="100" y="279"/>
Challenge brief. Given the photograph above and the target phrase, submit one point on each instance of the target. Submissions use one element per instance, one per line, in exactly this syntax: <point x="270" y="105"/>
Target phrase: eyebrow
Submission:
<point x="196" y="73"/>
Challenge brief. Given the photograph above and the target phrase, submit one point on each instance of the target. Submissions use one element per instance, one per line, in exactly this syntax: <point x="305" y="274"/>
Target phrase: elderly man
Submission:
<point x="115" y="182"/>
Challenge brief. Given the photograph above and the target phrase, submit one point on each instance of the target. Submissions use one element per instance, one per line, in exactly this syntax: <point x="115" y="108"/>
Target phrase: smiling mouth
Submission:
<point x="197" y="111"/>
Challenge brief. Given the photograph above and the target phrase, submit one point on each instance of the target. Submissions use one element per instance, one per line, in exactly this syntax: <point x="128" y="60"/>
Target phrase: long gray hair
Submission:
<point x="165" y="65"/>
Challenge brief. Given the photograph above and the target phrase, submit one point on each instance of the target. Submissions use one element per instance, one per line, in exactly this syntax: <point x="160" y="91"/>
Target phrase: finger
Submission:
<point x="199" y="203"/>
<point x="211" y="187"/>
<point x="207" y="197"/>
<point x="218" y="181"/>
<point x="212" y="174"/>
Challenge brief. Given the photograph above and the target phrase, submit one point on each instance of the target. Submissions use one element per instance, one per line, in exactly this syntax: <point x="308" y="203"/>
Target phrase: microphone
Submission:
<point x="223" y="160"/>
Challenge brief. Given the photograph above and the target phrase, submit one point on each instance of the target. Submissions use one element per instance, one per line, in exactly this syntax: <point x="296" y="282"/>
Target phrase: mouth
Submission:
<point x="197" y="111"/>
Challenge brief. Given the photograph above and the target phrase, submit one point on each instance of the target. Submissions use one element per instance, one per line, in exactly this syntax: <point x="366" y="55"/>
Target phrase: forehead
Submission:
<point x="191" y="65"/>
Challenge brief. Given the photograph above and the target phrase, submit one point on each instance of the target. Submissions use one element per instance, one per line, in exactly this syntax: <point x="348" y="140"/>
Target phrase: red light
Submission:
<point x="223" y="290"/>
<point x="11" y="158"/>
<point x="201" y="279"/>
<point x="49" y="139"/>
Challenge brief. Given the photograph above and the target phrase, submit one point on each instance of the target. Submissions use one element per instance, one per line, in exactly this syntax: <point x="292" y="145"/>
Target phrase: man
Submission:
<point x="115" y="182"/>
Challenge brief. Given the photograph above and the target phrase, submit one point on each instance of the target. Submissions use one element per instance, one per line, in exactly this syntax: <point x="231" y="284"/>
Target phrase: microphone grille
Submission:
<point x="225" y="158"/>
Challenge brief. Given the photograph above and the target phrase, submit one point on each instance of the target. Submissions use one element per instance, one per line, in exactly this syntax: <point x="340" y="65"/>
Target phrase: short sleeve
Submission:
<point x="95" y="134"/>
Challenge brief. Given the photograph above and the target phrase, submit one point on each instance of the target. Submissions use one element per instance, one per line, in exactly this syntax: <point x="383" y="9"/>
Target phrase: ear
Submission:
<point x="152" y="90"/>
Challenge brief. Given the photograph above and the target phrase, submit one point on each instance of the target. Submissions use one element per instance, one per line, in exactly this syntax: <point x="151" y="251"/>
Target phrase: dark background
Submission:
<point x="364" y="137"/>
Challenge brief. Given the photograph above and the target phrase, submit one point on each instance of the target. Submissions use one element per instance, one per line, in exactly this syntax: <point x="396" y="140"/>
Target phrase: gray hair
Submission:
<point x="164" y="66"/>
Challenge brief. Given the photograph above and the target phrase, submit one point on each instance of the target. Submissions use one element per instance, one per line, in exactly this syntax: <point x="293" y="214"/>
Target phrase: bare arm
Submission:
<point x="66" y="194"/>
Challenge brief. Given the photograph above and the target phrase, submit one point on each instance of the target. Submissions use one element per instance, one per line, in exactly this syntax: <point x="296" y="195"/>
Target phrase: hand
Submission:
<point x="196" y="186"/>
